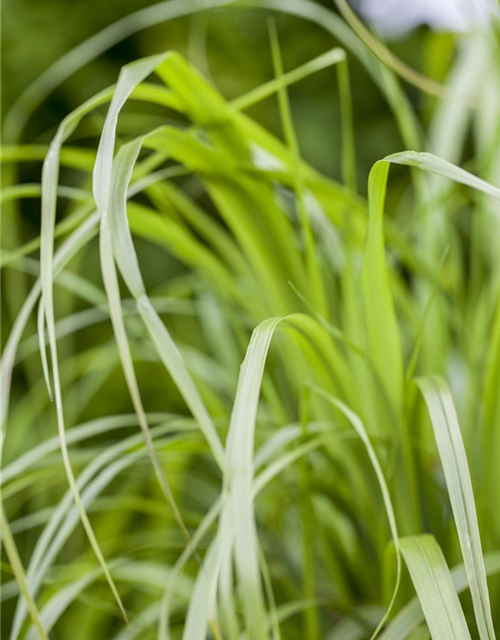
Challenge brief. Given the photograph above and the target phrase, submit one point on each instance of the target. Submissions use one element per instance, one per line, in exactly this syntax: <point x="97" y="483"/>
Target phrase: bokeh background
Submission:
<point x="231" y="45"/>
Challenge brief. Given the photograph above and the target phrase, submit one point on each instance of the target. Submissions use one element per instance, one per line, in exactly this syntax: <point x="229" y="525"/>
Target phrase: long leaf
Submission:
<point x="126" y="258"/>
<point x="382" y="331"/>
<point x="411" y="615"/>
<point x="17" y="569"/>
<point x="50" y="175"/>
<point x="456" y="470"/>
<point x="239" y="460"/>
<point x="389" y="509"/>
<point x="435" y="589"/>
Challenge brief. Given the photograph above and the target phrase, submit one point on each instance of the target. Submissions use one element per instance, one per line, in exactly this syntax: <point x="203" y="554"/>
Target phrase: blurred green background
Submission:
<point x="231" y="45"/>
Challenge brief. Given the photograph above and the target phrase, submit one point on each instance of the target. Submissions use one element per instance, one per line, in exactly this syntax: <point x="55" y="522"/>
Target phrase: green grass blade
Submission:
<point x="43" y="348"/>
<point x="113" y="292"/>
<point x="57" y="605"/>
<point x="239" y="453"/>
<point x="349" y="168"/>
<point x="456" y="470"/>
<point x="62" y="256"/>
<point x="127" y="261"/>
<point x="308" y="240"/>
<point x="17" y="569"/>
<point x="130" y="76"/>
<point x="411" y="616"/>
<point x="110" y="184"/>
<point x="110" y="188"/>
<point x="382" y="331"/>
<point x="359" y="427"/>
<point x="437" y="166"/>
<point x="325" y="60"/>
<point x="50" y="177"/>
<point x="435" y="589"/>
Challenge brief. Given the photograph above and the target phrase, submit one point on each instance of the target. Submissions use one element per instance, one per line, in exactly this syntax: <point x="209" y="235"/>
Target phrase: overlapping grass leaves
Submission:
<point x="244" y="251"/>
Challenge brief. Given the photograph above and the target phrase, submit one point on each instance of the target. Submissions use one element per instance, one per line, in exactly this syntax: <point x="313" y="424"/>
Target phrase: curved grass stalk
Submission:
<point x="110" y="188"/>
<point x="237" y="525"/>
<point x="426" y="85"/>
<point x="442" y="411"/>
<point x="239" y="479"/>
<point x="125" y="256"/>
<point x="381" y="326"/>
<point x="437" y="166"/>
<point x="131" y="76"/>
<point x="389" y="509"/>
<point x="382" y="330"/>
<point x="50" y="175"/>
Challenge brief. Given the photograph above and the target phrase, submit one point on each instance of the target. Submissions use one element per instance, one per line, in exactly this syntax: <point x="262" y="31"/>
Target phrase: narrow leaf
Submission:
<point x="435" y="589"/>
<point x="456" y="470"/>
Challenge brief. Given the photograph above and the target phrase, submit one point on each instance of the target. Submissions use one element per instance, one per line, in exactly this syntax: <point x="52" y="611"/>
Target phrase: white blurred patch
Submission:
<point x="396" y="17"/>
<point x="265" y="160"/>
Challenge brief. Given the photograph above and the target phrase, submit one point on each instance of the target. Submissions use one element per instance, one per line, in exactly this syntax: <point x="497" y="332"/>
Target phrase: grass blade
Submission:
<point x="411" y="616"/>
<point x="437" y="166"/>
<point x="50" y="175"/>
<point x="308" y="240"/>
<point x="382" y="331"/>
<point x="126" y="258"/>
<point x="104" y="177"/>
<point x="361" y="431"/>
<point x="239" y="460"/>
<point x="17" y="569"/>
<point x="435" y="589"/>
<point x="456" y="470"/>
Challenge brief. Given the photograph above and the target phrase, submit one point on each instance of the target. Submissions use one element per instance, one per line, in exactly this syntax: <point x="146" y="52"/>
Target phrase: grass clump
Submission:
<point x="300" y="382"/>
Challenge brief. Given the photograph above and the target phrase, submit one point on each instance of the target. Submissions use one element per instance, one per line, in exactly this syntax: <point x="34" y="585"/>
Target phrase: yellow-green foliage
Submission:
<point x="251" y="435"/>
